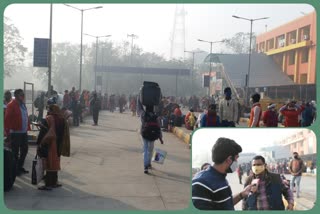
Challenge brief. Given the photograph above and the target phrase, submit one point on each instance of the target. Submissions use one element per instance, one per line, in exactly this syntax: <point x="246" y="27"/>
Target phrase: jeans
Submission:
<point x="147" y="152"/>
<point x="295" y="179"/>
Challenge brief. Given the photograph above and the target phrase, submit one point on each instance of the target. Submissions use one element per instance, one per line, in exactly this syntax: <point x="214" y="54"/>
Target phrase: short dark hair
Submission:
<point x="212" y="107"/>
<point x="259" y="157"/>
<point x="223" y="148"/>
<point x="227" y="89"/>
<point x="295" y="153"/>
<point x="255" y="97"/>
<point x="17" y="92"/>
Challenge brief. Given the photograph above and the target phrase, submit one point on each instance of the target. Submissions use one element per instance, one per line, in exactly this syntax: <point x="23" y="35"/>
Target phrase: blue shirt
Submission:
<point x="211" y="191"/>
<point x="204" y="119"/>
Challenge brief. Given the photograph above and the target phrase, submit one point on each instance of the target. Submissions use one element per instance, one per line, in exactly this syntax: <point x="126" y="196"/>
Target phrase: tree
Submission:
<point x="14" y="51"/>
<point x="239" y="43"/>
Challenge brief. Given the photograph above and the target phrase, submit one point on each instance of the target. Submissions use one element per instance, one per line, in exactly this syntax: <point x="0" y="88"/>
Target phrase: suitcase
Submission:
<point x="150" y="94"/>
<point x="9" y="169"/>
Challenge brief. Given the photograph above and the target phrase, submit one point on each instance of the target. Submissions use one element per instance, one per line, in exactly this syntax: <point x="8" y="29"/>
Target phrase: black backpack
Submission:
<point x="150" y="128"/>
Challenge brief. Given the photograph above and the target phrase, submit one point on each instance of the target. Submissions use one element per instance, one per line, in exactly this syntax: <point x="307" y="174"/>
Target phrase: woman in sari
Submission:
<point x="50" y="146"/>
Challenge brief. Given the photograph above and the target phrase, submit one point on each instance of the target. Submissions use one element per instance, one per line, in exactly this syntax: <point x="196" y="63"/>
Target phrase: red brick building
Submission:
<point x="293" y="47"/>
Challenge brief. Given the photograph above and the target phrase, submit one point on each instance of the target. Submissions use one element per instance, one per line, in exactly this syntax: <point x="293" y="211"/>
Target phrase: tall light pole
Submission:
<point x="50" y="54"/>
<point x="133" y="36"/>
<point x="249" y="63"/>
<point x="193" y="53"/>
<point x="82" y="10"/>
<point x="97" y="42"/>
<point x="200" y="40"/>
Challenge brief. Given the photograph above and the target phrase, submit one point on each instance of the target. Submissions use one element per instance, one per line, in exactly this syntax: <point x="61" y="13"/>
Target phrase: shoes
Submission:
<point x="44" y="188"/>
<point x="146" y="170"/>
<point x="57" y="185"/>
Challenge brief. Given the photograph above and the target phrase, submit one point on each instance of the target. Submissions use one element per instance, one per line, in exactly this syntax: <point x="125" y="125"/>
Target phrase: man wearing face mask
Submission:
<point x="291" y="113"/>
<point x="228" y="109"/>
<point x="210" y="189"/>
<point x="267" y="189"/>
<point x="295" y="168"/>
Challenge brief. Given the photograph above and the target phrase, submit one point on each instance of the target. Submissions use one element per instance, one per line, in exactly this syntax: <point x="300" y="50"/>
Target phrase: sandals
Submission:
<point x="44" y="188"/>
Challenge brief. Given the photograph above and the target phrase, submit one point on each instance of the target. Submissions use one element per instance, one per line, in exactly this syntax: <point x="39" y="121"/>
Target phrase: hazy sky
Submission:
<point x="251" y="140"/>
<point x="153" y="23"/>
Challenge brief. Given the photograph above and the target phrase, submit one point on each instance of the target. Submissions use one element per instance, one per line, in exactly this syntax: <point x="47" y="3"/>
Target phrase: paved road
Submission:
<point x="307" y="196"/>
<point x="105" y="171"/>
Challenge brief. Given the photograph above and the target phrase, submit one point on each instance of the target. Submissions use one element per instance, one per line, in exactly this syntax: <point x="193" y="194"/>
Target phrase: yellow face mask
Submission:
<point x="258" y="169"/>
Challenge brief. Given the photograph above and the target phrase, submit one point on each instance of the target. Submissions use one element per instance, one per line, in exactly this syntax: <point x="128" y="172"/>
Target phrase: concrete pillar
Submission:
<point x="296" y="66"/>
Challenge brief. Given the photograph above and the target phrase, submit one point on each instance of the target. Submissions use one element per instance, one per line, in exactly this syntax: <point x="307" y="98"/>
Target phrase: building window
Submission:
<point x="305" y="55"/>
<point x="303" y="78"/>
<point x="292" y="57"/>
<point x="270" y="43"/>
<point x="304" y="33"/>
<point x="292" y="37"/>
<point x="280" y="41"/>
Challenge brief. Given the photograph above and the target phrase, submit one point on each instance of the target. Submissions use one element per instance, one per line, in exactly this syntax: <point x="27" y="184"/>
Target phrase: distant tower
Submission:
<point x="178" y="33"/>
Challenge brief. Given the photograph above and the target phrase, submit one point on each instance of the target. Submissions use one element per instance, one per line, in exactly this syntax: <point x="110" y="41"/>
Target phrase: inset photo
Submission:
<point x="261" y="169"/>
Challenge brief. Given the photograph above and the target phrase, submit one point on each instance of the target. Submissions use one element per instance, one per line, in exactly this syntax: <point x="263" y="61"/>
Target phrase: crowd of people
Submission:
<point x="227" y="111"/>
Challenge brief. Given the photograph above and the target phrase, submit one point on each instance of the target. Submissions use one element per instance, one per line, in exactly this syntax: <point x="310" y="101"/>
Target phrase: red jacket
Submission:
<point x="252" y="114"/>
<point x="291" y="117"/>
<point x="270" y="118"/>
<point x="13" y="118"/>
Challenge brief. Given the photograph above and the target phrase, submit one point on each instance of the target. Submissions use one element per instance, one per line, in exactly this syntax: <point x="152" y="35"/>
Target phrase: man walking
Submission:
<point x="228" y="109"/>
<point x="210" y="188"/>
<point x="296" y="168"/>
<point x="268" y="189"/>
<point x="96" y="106"/>
<point x="16" y="127"/>
<point x="150" y="131"/>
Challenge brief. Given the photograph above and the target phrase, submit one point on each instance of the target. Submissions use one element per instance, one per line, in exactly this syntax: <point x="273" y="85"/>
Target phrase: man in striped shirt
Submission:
<point x="210" y="189"/>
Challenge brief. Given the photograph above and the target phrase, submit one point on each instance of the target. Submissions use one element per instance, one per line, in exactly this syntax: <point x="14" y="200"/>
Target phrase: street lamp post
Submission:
<point x="82" y="10"/>
<point x="193" y="53"/>
<point x="50" y="54"/>
<point x="97" y="42"/>
<point x="133" y="36"/>
<point x="200" y="40"/>
<point x="250" y="49"/>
